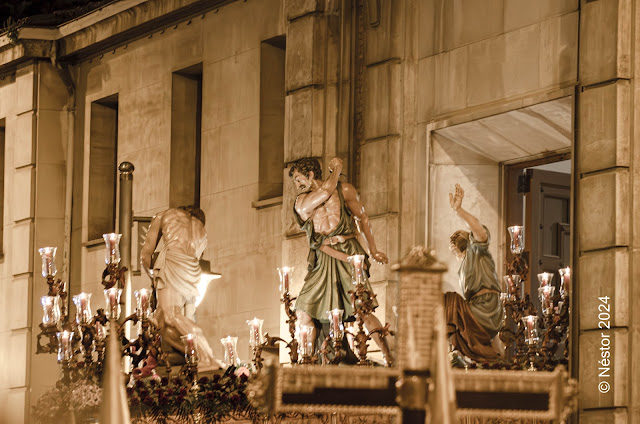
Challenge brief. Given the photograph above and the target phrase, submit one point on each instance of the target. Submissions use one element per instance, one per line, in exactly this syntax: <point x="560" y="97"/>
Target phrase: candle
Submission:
<point x="545" y="294"/>
<point x="357" y="269"/>
<point x="544" y="278"/>
<point x="230" y="356"/>
<point x="284" y="279"/>
<point x="83" y="307"/>
<point x="305" y="334"/>
<point x="255" y="332"/>
<point x="112" y="301"/>
<point x="517" y="239"/>
<point x="64" y="345"/>
<point x="530" y="326"/>
<point x="190" y="351"/>
<point x="336" y="329"/>
<point x="48" y="255"/>
<point x="112" y="255"/>
<point x="565" y="281"/>
<point x="144" y="306"/>
<point x="51" y="310"/>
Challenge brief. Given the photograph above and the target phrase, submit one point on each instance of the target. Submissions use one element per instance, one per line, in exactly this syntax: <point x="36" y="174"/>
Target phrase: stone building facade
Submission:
<point x="210" y="100"/>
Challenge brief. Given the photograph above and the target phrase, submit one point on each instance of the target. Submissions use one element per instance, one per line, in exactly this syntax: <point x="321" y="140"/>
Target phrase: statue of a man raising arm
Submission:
<point x="326" y="211"/>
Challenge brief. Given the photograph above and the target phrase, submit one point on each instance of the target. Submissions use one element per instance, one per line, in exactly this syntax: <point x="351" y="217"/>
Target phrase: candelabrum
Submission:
<point x="362" y="301"/>
<point x="336" y="336"/>
<point x="80" y="344"/>
<point x="521" y="324"/>
<point x="258" y="343"/>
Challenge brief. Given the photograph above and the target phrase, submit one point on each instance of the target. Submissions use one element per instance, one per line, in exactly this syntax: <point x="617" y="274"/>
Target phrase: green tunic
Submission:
<point x="328" y="281"/>
<point x="478" y="271"/>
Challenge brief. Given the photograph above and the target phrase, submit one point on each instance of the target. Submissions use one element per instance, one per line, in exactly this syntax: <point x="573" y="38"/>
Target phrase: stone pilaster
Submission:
<point x="605" y="212"/>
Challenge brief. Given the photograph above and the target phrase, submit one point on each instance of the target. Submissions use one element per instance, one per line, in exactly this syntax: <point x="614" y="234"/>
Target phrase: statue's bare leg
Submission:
<point x="372" y="322"/>
<point x="305" y="319"/>
<point x="171" y="304"/>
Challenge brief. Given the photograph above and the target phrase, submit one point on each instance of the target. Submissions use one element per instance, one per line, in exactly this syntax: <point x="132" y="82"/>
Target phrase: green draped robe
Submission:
<point x="328" y="281"/>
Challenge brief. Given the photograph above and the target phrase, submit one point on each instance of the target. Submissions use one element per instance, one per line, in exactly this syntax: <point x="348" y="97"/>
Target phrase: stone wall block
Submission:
<point x="25" y="86"/>
<point x="604" y="127"/>
<point x="593" y="345"/>
<point x="385" y="41"/>
<point x="379" y="189"/>
<point x="7" y="96"/>
<point x="382" y="114"/>
<point x="18" y="311"/>
<point x="385" y="233"/>
<point x="603" y="273"/>
<point x="559" y="48"/>
<point x="605" y="40"/>
<point x="21" y="247"/>
<point x="304" y="124"/>
<point x="486" y="71"/>
<point x="22" y="204"/>
<point x="604" y="209"/>
<point x="428" y="28"/>
<point x="426" y="89"/>
<point x="24" y="139"/>
<point x="17" y="398"/>
<point x="53" y="93"/>
<point x="469" y="21"/>
<point x="52" y="130"/>
<point x="605" y="416"/>
<point x="232" y="87"/>
<point x="296" y="8"/>
<point x="522" y="75"/>
<point x="18" y="352"/>
<point x="521" y="13"/>
<point x="305" y="61"/>
<point x="450" y="80"/>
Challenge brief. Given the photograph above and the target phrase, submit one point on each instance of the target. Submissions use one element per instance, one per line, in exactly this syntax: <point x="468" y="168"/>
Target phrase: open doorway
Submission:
<point x="483" y="156"/>
<point x="538" y="196"/>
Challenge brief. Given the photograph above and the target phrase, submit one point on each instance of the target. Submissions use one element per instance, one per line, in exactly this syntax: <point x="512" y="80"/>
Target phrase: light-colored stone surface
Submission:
<point x="558" y="52"/>
<point x="603" y="273"/>
<point x="232" y="91"/>
<point x="605" y="40"/>
<point x="385" y="41"/>
<point x="18" y="311"/>
<point x="604" y="207"/>
<point x="23" y="199"/>
<point x="521" y="13"/>
<point x="18" y="352"/>
<point x="462" y="20"/>
<point x="306" y="58"/>
<point x="605" y="416"/>
<point x="451" y="70"/>
<point x="382" y="107"/>
<point x="25" y="89"/>
<point x="426" y="88"/>
<point x="304" y="120"/>
<point x="296" y="8"/>
<point x="24" y="134"/>
<point x="379" y="178"/>
<point x="17" y="400"/>
<point x="604" y="127"/>
<point x="518" y="133"/>
<point x="618" y="377"/>
<point x="21" y="247"/>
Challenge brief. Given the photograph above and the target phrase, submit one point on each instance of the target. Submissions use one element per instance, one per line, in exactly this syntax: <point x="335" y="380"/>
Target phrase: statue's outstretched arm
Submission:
<point x="356" y="207"/>
<point x="306" y="203"/>
<point x="478" y="231"/>
<point x="150" y="243"/>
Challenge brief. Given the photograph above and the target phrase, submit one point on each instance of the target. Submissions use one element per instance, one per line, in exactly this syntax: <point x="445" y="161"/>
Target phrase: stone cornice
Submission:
<point x="101" y="30"/>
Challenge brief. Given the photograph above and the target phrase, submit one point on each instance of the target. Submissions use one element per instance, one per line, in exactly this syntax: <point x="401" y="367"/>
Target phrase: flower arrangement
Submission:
<point x="155" y="400"/>
<point x="161" y="400"/>
<point x="80" y="399"/>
